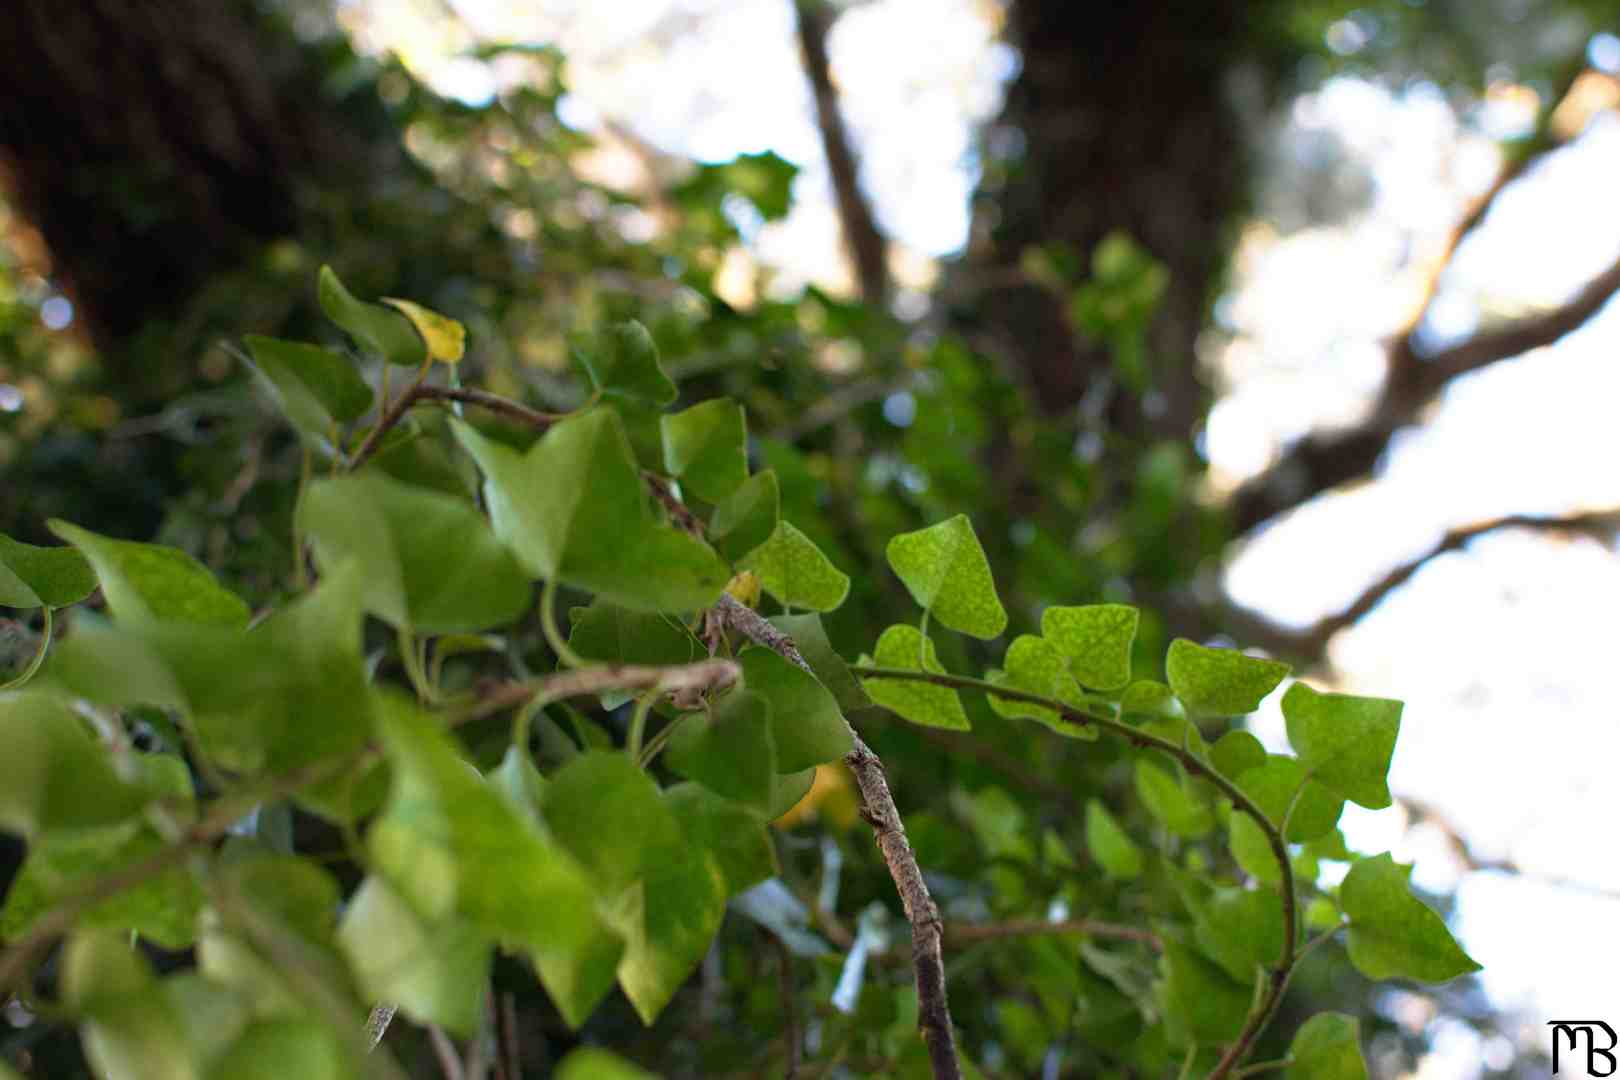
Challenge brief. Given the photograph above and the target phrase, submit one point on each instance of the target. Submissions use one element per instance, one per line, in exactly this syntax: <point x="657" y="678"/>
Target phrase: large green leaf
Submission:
<point x="382" y="330"/>
<point x="428" y="561"/>
<point x="1345" y="741"/>
<point x="738" y="840"/>
<point x="730" y="750"/>
<point x="1220" y="682"/>
<point x="706" y="448"/>
<point x="792" y="569"/>
<point x="51" y="577"/>
<point x="1392" y="933"/>
<point x="1096" y="639"/>
<point x="807" y="726"/>
<point x="573" y="508"/>
<point x="316" y="388"/>
<point x="148" y="581"/>
<point x="1035" y="666"/>
<point x="904" y="647"/>
<point x="946" y="572"/>
<point x="811" y="638"/>
<point x="623" y="362"/>
<point x="1327" y="1047"/>
<point x="665" y="897"/>
<point x="54" y="774"/>
<point x="747" y="517"/>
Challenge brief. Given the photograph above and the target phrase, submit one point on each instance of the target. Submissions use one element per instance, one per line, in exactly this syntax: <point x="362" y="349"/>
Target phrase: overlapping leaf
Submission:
<point x="904" y="647"/>
<point x="623" y="362"/>
<point x="384" y="331"/>
<point x="747" y="517"/>
<point x="1346" y="741"/>
<point x="807" y="727"/>
<point x="1035" y="666"/>
<point x="792" y="569"/>
<point x="152" y="582"/>
<point x="444" y="338"/>
<point x="1096" y="639"/>
<point x="706" y="448"/>
<point x="52" y="577"/>
<point x="316" y="388"/>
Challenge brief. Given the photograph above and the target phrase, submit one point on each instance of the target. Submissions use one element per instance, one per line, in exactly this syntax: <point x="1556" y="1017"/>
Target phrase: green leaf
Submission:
<point x="1220" y="682"/>
<point x="1345" y="741"/>
<point x="765" y="179"/>
<point x="589" y="1063"/>
<point x="747" y="517"/>
<point x="1327" y="1047"/>
<point x="946" y="572"/>
<point x="147" y="581"/>
<point x="807" y="726"/>
<point x="617" y="635"/>
<point x="573" y="508"/>
<point x="1149" y="700"/>
<point x="738" y="841"/>
<point x="921" y="703"/>
<point x="315" y="388"/>
<point x="666" y="898"/>
<point x="1096" y="639"/>
<point x="811" y="638"/>
<point x="623" y="362"/>
<point x="706" y="448"/>
<point x="428" y="561"/>
<point x="1166" y="797"/>
<point x="1252" y="850"/>
<point x="435" y="972"/>
<point x="1241" y="930"/>
<point x="1236" y="752"/>
<point x="792" y="569"/>
<point x="54" y="774"/>
<point x="444" y="337"/>
<point x="50" y="577"/>
<point x="1114" y="851"/>
<point x="1203" y="1003"/>
<point x="386" y="333"/>
<point x="1273" y="785"/>
<point x="1035" y="666"/>
<point x="730" y="751"/>
<point x="131" y="1028"/>
<point x="285" y="1046"/>
<point x="1392" y="933"/>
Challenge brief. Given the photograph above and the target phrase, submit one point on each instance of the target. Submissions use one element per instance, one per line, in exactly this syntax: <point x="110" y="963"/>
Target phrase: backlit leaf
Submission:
<point x="902" y="646"/>
<point x="444" y="337"/>
<point x="1220" y="682"/>
<point x="1346" y="741"/>
<point x="1327" y="1047"/>
<point x="1392" y="933"/>
<point x="1035" y="665"/>
<point x="1273" y="785"/>
<point x="944" y="568"/>
<point x="793" y="570"/>
<point x="1096" y="639"/>
<point x="1163" y="793"/>
<point x="1203" y="1002"/>
<point x="1241" y="930"/>
<point x="54" y="774"/>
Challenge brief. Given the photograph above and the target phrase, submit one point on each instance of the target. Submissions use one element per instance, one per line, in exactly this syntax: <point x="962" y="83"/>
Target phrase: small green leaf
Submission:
<point x="50" y="577"/>
<point x="792" y="569"/>
<point x="1149" y="700"/>
<point x="623" y="361"/>
<point x="573" y="508"/>
<point x="315" y="388"/>
<point x="730" y="751"/>
<point x="131" y="1028"/>
<point x="386" y="333"/>
<point x="706" y="448"/>
<point x="811" y="638"/>
<point x="1203" y="1003"/>
<point x="1166" y="797"/>
<point x="1327" y="1047"/>
<point x="1096" y="639"/>
<point x="946" y="572"/>
<point x="747" y="517"/>
<point x="1220" y="682"/>
<point x="444" y="337"/>
<point x="920" y="702"/>
<point x="1236" y="752"/>
<point x="147" y="581"/>
<point x="1114" y="851"/>
<point x="807" y="725"/>
<point x="1392" y="933"/>
<point x="1252" y="850"/>
<point x="1346" y="741"/>
<point x="1035" y="666"/>
<point x="428" y="561"/>
<point x="1273" y="786"/>
<point x="1241" y="930"/>
<point x="589" y="1063"/>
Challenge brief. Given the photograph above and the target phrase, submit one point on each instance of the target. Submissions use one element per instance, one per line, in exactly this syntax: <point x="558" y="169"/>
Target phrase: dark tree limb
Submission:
<point x="867" y="248"/>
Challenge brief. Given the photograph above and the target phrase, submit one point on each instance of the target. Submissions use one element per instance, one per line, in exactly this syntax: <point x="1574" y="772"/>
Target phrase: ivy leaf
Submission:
<point x="436" y="973"/>
<point x="1236" y="752"/>
<point x="811" y="638"/>
<point x="315" y="388"/>
<point x="1167" y="798"/>
<point x="147" y="581"/>
<point x="444" y="337"/>
<point x="1327" y="1047"/>
<point x="1220" y="682"/>
<point x="738" y="840"/>
<point x="1203" y="1004"/>
<point x="747" y="517"/>
<point x="807" y="726"/>
<point x="1108" y="843"/>
<point x="428" y="561"/>
<point x="944" y="568"/>
<point x="131" y="1028"/>
<point x="792" y="569"/>
<point x="1241" y="930"/>
<point x="573" y="508"/>
<point x="706" y="448"/>
<point x="1272" y="786"/>
<point x="590" y="1063"/>
<point x="730" y="751"/>
<point x="54" y="774"/>
<point x="665" y="898"/>
<point x="1346" y="741"/>
<point x="623" y="362"/>
<point x="282" y="1046"/>
<point x="1096" y="639"/>
<point x="618" y="635"/>
<point x="1150" y="700"/>
<point x="386" y="333"/>
<point x="50" y="577"/>
<point x="1035" y="666"/>
<point x="1392" y="933"/>
<point x="920" y="702"/>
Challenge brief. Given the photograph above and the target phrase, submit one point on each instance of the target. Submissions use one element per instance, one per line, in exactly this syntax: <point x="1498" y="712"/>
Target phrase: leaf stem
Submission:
<point x="566" y="656"/>
<point x="638" y="723"/>
<point x="39" y="654"/>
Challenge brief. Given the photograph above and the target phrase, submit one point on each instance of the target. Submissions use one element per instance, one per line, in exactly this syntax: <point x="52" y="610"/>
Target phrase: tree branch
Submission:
<point x="864" y="242"/>
<point x="877" y="807"/>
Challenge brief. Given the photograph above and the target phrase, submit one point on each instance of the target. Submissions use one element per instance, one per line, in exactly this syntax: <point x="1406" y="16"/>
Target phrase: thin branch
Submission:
<point x="865" y="243"/>
<point x="877" y="807"/>
<point x="423" y="392"/>
<point x="1276" y="978"/>
<point x="445" y="1051"/>
<point x="958" y="935"/>
<point x="578" y="682"/>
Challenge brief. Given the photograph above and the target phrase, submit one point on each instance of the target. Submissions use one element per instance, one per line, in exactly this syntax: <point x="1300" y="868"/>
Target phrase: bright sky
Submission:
<point x="1501" y="651"/>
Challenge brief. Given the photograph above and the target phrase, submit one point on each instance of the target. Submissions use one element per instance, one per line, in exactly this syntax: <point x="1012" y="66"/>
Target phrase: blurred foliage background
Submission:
<point x="174" y="172"/>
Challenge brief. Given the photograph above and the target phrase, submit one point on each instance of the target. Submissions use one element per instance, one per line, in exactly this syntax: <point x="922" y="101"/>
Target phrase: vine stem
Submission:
<point x="1276" y="978"/>
<point x="420" y="392"/>
<point x="39" y="654"/>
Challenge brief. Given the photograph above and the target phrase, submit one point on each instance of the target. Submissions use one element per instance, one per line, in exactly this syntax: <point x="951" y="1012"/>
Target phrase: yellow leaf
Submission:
<point x="446" y="339"/>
